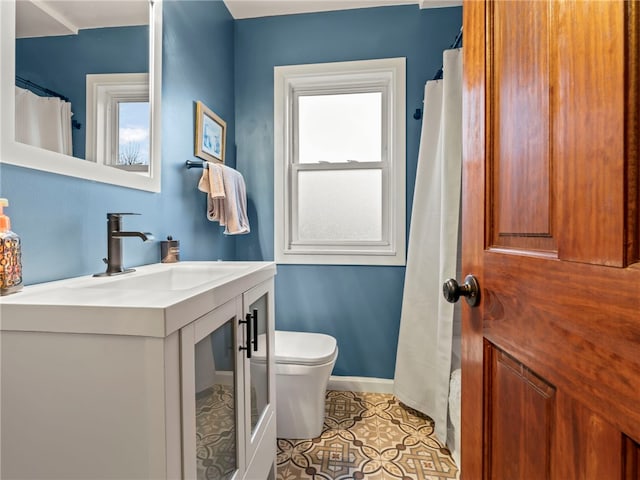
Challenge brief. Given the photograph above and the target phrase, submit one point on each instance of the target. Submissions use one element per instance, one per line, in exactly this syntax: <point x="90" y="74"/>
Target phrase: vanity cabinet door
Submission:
<point x="259" y="381"/>
<point x="212" y="396"/>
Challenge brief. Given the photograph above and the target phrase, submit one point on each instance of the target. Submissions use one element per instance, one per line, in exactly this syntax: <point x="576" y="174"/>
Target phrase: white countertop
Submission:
<point x="92" y="305"/>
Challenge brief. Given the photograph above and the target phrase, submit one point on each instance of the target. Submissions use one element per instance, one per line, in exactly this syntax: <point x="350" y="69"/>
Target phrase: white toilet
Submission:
<point x="304" y="362"/>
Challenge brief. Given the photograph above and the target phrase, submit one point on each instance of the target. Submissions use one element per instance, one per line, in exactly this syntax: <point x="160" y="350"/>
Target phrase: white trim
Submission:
<point x="20" y="154"/>
<point x="384" y="75"/>
<point x="360" y="384"/>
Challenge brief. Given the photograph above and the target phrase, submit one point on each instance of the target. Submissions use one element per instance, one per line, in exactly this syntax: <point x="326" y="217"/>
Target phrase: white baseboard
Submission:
<point x="360" y="384"/>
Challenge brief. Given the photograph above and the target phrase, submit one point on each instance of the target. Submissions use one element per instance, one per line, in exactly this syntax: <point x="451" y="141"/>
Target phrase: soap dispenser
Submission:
<point x="10" y="255"/>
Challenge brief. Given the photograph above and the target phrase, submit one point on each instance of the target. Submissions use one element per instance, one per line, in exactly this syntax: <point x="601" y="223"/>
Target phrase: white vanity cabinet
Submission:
<point x="140" y="377"/>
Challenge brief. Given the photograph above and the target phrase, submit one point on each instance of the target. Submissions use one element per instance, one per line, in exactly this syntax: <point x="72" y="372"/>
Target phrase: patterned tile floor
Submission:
<point x="368" y="436"/>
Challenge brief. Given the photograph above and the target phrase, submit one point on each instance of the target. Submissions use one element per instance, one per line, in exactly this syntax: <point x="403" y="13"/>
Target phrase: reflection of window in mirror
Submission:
<point x="118" y="120"/>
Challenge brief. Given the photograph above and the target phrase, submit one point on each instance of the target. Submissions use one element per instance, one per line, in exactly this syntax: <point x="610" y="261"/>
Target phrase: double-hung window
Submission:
<point x="339" y="156"/>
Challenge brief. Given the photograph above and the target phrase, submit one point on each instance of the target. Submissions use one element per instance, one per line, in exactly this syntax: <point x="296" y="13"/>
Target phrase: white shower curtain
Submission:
<point x="43" y="122"/>
<point x="423" y="361"/>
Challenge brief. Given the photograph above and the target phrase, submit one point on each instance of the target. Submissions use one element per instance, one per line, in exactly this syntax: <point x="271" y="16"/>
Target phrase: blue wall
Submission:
<point x="360" y="306"/>
<point x="62" y="220"/>
<point x="62" y="63"/>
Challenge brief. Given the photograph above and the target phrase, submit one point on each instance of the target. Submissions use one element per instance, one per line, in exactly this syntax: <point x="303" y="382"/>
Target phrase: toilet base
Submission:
<point x="300" y="394"/>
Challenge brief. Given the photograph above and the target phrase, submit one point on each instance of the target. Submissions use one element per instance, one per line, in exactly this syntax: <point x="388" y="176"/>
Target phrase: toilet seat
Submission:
<point x="298" y="348"/>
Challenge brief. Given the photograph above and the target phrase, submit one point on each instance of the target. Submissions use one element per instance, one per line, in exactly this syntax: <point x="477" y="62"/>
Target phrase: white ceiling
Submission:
<point x="267" y="8"/>
<point x="40" y="18"/>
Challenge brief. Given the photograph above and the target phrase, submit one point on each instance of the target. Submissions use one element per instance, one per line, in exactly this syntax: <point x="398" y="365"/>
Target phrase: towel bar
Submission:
<point x="195" y="164"/>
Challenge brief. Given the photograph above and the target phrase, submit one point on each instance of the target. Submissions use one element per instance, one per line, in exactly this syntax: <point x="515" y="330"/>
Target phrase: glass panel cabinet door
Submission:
<point x="259" y="367"/>
<point x="210" y="396"/>
<point x="259" y="378"/>
<point x="215" y="395"/>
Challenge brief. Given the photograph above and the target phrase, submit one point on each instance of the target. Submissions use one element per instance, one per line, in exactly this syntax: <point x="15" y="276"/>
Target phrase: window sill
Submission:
<point x="397" y="260"/>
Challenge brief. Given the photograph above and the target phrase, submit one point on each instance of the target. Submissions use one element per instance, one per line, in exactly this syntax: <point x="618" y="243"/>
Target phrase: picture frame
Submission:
<point x="211" y="133"/>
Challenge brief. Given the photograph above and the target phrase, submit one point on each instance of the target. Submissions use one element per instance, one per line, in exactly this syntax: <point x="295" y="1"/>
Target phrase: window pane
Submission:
<point x="338" y="128"/>
<point x="339" y="205"/>
<point x="133" y="133"/>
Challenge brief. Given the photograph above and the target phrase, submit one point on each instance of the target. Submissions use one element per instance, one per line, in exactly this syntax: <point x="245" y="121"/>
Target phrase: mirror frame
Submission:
<point x="28" y="156"/>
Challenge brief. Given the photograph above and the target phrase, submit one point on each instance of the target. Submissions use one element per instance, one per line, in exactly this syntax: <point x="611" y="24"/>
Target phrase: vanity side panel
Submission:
<point x="173" y="407"/>
<point x="79" y="406"/>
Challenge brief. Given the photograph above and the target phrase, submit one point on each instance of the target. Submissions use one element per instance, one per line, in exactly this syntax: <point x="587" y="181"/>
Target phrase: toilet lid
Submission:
<point x="300" y="348"/>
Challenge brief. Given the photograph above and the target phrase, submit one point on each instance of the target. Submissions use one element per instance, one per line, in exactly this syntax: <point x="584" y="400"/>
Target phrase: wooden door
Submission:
<point x="551" y="356"/>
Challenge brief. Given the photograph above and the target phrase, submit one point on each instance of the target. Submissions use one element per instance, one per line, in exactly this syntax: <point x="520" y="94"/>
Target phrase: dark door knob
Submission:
<point x="470" y="289"/>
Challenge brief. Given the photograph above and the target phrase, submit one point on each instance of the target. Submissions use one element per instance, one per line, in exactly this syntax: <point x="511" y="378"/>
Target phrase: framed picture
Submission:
<point x="211" y="133"/>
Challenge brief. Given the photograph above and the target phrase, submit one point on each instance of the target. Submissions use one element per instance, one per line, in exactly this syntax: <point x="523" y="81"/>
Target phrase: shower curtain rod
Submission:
<point x="32" y="85"/>
<point x="456" y="44"/>
<point x="45" y="90"/>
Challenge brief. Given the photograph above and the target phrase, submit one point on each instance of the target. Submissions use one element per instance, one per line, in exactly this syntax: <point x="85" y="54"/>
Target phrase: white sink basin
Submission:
<point x="175" y="277"/>
<point x="153" y="301"/>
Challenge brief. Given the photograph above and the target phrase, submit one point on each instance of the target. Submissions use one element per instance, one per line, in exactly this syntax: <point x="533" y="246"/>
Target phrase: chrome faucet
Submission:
<point x="114" y="244"/>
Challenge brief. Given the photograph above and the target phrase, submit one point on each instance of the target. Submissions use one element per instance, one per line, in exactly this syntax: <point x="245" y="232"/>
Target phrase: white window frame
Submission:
<point x="104" y="94"/>
<point x="381" y="75"/>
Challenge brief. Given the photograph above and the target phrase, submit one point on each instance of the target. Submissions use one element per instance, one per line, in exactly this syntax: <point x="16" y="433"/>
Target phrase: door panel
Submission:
<point x="521" y="213"/>
<point x="632" y="132"/>
<point x="551" y="357"/>
<point x="519" y="418"/>
<point x="631" y="459"/>
<point x="586" y="446"/>
<point x="589" y="140"/>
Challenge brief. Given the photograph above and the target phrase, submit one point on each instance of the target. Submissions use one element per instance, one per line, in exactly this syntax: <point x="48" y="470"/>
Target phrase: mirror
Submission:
<point x="114" y="92"/>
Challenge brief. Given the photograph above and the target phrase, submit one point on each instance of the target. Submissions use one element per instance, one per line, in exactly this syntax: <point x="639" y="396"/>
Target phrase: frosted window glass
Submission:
<point x="338" y="128"/>
<point x="339" y="205"/>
